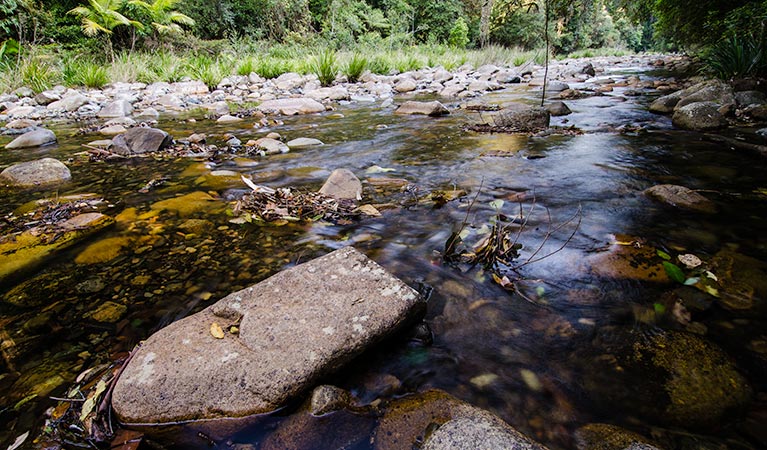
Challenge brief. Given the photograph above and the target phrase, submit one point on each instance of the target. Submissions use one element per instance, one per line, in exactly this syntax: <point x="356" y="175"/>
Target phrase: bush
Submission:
<point x="380" y="65"/>
<point x="736" y="57"/>
<point x="324" y="66"/>
<point x="354" y="67"/>
<point x="459" y="34"/>
<point x="38" y="74"/>
<point x="272" y="67"/>
<point x="247" y="66"/>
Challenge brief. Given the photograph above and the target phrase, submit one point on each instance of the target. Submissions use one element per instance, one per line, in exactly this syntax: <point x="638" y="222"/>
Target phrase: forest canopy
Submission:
<point x="575" y="24"/>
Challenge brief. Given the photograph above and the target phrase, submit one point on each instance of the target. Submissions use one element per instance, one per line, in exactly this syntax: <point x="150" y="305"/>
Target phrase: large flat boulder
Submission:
<point x="291" y="106"/>
<point x="291" y="329"/>
<point x="140" y="140"/>
<point x="433" y="109"/>
<point x="699" y="116"/>
<point x="681" y="197"/>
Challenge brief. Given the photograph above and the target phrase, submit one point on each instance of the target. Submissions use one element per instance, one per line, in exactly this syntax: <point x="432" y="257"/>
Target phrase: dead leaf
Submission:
<point x="216" y="331"/>
<point x="93" y="400"/>
<point x="19" y="441"/>
<point x="369" y="210"/>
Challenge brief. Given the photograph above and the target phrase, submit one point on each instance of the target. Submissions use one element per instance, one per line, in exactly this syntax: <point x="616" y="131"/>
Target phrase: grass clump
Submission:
<point x="354" y="67"/>
<point x="380" y="65"/>
<point x="325" y="67"/>
<point x="38" y="74"/>
<point x="247" y="66"/>
<point x="85" y="73"/>
<point x="271" y="67"/>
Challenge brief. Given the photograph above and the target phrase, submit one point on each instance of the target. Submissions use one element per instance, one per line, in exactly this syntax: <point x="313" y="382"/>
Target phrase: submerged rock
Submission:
<point x="30" y="248"/>
<point x="36" y="173"/>
<point x="602" y="436"/>
<point x="681" y="197"/>
<point x="34" y="138"/>
<point x="292" y="328"/>
<point x="407" y="421"/>
<point x="523" y="118"/>
<point x="189" y="204"/>
<point x="433" y="109"/>
<point x="342" y="184"/>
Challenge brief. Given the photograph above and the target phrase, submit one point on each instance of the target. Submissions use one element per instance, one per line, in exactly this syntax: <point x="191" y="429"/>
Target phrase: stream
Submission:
<point x="542" y="358"/>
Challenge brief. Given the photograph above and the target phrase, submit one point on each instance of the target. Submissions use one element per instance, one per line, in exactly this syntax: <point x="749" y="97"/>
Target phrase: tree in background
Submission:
<point x="165" y="19"/>
<point x="100" y="17"/>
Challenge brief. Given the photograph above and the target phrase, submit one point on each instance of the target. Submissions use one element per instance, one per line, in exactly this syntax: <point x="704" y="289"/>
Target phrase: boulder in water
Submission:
<point x="35" y="138"/>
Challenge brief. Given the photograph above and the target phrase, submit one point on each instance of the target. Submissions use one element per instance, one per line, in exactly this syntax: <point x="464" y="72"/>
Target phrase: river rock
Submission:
<point x="406" y="422"/>
<point x="22" y="124"/>
<point x="714" y="91"/>
<point x="29" y="249"/>
<point x="227" y="118"/>
<point x="433" y="109"/>
<point x="46" y="97"/>
<point x="147" y="114"/>
<point x="329" y="93"/>
<point x="293" y="328"/>
<point x="342" y="184"/>
<point x="118" y="108"/>
<point x="556" y="86"/>
<point x="304" y="143"/>
<point x="681" y="197"/>
<point x="700" y="116"/>
<point x="665" y="104"/>
<point x="405" y="85"/>
<point x="68" y="103"/>
<point x="523" y="118"/>
<point x="626" y="257"/>
<point x="667" y="377"/>
<point x="112" y="130"/>
<point x="190" y="87"/>
<point x="140" y="140"/>
<point x="602" y="436"/>
<point x="558" y="109"/>
<point x="36" y="173"/>
<point x="271" y="146"/>
<point x="190" y="204"/>
<point x="746" y="98"/>
<point x="478" y="432"/>
<point x="326" y="398"/>
<point x="34" y="138"/>
<point x="291" y="106"/>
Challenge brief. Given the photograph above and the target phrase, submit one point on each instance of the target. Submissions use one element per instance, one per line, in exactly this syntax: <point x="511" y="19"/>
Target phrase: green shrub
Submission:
<point x="272" y="67"/>
<point x="735" y="57"/>
<point x="354" y="67"/>
<point x="380" y="65"/>
<point x="38" y="74"/>
<point x="459" y="34"/>
<point x="412" y="62"/>
<point x="325" y="67"/>
<point x="246" y="66"/>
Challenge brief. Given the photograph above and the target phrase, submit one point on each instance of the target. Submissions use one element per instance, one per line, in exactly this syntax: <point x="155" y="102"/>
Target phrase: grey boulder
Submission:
<point x="558" y="109"/>
<point x="700" y="116"/>
<point x="118" y="108"/>
<point x="478" y="432"/>
<point x="523" y="118"/>
<point x="342" y="184"/>
<point x="291" y="106"/>
<point x="140" y="140"/>
<point x="292" y="328"/>
<point x="304" y="143"/>
<point x="433" y="109"/>
<point x="36" y="173"/>
<point x="34" y="138"/>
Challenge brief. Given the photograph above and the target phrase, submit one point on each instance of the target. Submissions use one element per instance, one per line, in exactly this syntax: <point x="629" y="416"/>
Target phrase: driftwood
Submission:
<point x="755" y="148"/>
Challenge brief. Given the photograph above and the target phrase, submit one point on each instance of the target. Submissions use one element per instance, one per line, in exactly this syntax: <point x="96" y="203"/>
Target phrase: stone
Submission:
<point x="627" y="258"/>
<point x="442" y="75"/>
<point x="405" y="85"/>
<point x="478" y="432"/>
<point x="103" y="251"/>
<point x="170" y="101"/>
<point x="681" y="197"/>
<point x="34" y="138"/>
<point x="291" y="106"/>
<point x="226" y="118"/>
<point x="118" y="108"/>
<point x="327" y="399"/>
<point x="22" y="124"/>
<point x="558" y="109"/>
<point x="46" y="97"/>
<point x="190" y="87"/>
<point x="342" y="184"/>
<point x="294" y="327"/>
<point x="715" y="91"/>
<point x="329" y="93"/>
<point x="700" y="116"/>
<point x="20" y="111"/>
<point x="40" y="172"/>
<point x="101" y="143"/>
<point x="406" y="421"/>
<point x="272" y="146"/>
<point x="602" y="436"/>
<point x="432" y="109"/>
<point x="140" y="140"/>
<point x="556" y="86"/>
<point x="452" y="90"/>
<point x="68" y="103"/>
<point x="523" y="118"/>
<point x="24" y="92"/>
<point x="25" y="251"/>
<point x="589" y="70"/>
<point x="108" y="312"/>
<point x="756" y="111"/>
<point x="746" y="98"/>
<point x="147" y="114"/>
<point x="304" y="143"/>
<point x="112" y="130"/>
<point x="190" y="204"/>
<point x="124" y="121"/>
<point x="665" y="104"/>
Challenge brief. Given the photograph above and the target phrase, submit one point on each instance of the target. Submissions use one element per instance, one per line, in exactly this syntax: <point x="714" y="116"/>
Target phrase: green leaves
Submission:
<point x="674" y="272"/>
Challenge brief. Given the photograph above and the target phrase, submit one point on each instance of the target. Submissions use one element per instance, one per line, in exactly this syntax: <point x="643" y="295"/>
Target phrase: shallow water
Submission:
<point x="487" y="340"/>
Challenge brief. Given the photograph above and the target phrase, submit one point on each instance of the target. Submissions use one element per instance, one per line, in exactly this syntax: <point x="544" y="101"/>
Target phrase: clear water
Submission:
<point x="480" y="330"/>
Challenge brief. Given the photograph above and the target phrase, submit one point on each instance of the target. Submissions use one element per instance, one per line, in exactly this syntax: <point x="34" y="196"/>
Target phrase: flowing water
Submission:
<point x="536" y="359"/>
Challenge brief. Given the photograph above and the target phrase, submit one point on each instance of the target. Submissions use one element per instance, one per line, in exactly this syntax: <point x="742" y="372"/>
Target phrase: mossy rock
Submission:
<point x="24" y="251"/>
<point x="743" y="280"/>
<point x="190" y="204"/>
<point x="602" y="436"/>
<point x="627" y="258"/>
<point x="103" y="251"/>
<point x="667" y="377"/>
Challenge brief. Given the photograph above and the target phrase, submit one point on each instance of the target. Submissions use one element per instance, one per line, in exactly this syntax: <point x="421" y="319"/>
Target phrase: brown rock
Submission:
<point x="681" y="197"/>
<point x="433" y="109"/>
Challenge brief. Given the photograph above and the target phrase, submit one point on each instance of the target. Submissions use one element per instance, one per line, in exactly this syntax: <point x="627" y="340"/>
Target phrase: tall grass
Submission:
<point x="354" y="67"/>
<point x="38" y="74"/>
<point x="325" y="67"/>
<point x="84" y="73"/>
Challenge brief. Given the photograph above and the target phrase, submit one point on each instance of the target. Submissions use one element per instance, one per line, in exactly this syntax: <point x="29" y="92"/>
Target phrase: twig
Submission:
<point x="71" y="400"/>
<point x="577" y="214"/>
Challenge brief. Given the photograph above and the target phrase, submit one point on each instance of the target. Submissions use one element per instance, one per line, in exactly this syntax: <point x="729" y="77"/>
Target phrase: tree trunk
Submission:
<point x="546" y="37"/>
<point x="484" y="22"/>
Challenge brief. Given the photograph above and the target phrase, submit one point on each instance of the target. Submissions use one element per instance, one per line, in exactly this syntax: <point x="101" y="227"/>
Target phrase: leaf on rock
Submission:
<point x="664" y="255"/>
<point x="216" y="331"/>
<point x="674" y="272"/>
